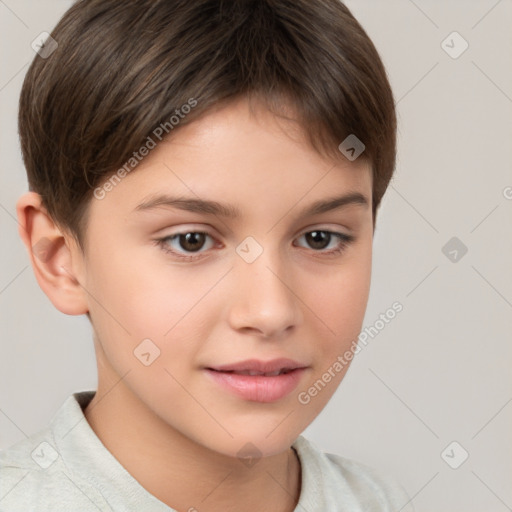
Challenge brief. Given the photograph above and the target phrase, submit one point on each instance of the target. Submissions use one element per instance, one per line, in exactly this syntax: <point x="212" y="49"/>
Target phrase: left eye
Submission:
<point x="320" y="240"/>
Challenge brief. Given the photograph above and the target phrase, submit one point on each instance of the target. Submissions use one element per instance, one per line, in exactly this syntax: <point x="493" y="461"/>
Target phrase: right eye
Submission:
<point x="179" y="244"/>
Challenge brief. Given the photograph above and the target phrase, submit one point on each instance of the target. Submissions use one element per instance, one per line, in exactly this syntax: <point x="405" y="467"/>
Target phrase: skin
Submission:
<point x="174" y="430"/>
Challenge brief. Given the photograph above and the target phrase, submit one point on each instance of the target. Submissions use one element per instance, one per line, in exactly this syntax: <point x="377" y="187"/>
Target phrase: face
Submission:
<point x="188" y="298"/>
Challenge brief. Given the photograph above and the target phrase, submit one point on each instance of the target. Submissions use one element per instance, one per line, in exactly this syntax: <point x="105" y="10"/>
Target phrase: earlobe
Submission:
<point x="50" y="252"/>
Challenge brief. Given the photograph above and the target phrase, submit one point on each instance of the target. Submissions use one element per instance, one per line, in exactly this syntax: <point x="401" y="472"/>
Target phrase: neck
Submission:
<point x="183" y="474"/>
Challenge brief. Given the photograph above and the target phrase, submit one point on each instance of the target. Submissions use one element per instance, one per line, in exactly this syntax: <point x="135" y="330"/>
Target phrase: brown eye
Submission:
<point x="318" y="239"/>
<point x="321" y="241"/>
<point x="186" y="245"/>
<point x="192" y="241"/>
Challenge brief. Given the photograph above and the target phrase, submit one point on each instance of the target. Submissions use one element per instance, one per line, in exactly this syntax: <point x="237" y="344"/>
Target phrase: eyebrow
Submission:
<point x="229" y="211"/>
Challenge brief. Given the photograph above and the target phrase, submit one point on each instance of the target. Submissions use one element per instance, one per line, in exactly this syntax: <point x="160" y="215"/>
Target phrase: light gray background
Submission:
<point x="440" y="371"/>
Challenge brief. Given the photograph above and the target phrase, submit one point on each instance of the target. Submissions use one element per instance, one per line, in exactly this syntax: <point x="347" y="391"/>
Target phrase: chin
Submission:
<point x="257" y="440"/>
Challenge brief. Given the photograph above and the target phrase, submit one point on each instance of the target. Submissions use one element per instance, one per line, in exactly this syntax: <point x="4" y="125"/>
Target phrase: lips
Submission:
<point x="255" y="372"/>
<point x="256" y="367"/>
<point x="259" y="381"/>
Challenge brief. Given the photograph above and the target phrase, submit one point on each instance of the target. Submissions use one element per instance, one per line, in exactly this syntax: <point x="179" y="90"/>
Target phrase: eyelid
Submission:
<point x="161" y="242"/>
<point x="333" y="228"/>
<point x="197" y="228"/>
<point x="344" y="240"/>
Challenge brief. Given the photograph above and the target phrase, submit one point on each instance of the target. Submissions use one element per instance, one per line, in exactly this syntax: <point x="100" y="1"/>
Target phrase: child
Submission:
<point x="262" y="131"/>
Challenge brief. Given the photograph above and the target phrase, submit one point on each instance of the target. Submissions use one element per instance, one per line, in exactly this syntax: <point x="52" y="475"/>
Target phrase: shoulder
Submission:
<point x="339" y="481"/>
<point x="34" y="476"/>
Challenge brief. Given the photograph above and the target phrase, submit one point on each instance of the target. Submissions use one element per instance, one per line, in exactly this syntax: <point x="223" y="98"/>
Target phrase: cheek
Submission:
<point x="339" y="302"/>
<point x="340" y="306"/>
<point x="350" y="293"/>
<point x="143" y="290"/>
<point x="167" y="304"/>
<point x="153" y="314"/>
<point x="341" y="295"/>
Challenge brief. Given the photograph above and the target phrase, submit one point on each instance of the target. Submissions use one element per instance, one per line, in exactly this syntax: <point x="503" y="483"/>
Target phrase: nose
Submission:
<point x="265" y="298"/>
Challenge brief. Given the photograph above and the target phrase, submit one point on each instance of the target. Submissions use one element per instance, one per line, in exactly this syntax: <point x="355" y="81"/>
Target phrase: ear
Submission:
<point x="56" y="258"/>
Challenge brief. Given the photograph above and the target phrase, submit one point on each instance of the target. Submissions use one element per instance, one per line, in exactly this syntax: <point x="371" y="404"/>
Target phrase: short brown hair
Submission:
<point x="123" y="68"/>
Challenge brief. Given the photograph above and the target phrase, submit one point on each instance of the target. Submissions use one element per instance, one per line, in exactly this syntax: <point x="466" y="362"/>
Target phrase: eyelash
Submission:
<point x="344" y="241"/>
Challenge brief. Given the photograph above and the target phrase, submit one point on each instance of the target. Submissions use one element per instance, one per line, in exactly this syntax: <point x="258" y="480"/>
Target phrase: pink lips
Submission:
<point x="259" y="381"/>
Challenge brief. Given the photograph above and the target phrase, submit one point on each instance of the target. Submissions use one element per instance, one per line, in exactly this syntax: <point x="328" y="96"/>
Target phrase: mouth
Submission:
<point x="255" y="373"/>
<point x="257" y="367"/>
<point x="259" y="381"/>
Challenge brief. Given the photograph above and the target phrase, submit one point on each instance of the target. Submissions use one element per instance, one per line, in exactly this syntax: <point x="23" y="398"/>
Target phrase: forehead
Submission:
<point x="239" y="154"/>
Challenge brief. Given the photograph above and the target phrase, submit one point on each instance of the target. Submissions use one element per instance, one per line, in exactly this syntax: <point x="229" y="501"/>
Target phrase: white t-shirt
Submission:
<point x="66" y="468"/>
